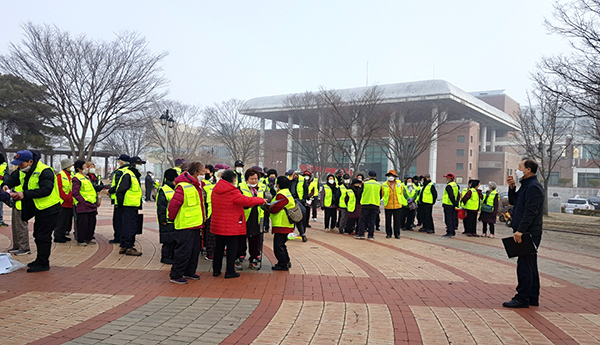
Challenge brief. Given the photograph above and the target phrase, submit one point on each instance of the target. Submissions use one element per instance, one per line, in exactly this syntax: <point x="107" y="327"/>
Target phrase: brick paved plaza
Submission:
<point x="420" y="289"/>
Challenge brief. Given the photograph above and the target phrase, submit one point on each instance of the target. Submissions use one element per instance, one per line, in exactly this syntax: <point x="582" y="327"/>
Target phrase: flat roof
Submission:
<point x="426" y="91"/>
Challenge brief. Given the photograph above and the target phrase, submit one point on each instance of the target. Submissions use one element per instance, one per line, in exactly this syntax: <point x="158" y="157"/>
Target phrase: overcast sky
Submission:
<point x="243" y="49"/>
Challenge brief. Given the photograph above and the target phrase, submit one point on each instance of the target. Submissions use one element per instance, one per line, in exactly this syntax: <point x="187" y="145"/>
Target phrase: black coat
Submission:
<point x="528" y="209"/>
<point x="161" y="210"/>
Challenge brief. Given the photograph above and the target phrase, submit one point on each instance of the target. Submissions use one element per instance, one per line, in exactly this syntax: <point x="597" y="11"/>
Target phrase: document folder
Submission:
<point x="526" y="247"/>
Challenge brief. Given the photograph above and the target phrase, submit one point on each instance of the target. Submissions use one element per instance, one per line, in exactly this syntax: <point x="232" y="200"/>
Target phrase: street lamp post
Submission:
<point x="167" y="122"/>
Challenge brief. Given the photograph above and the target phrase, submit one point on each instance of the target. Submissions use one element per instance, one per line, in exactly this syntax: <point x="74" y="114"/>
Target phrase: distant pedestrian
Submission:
<point x="427" y="199"/>
<point x="282" y="226"/>
<point x="471" y="202"/>
<point x="166" y="228"/>
<point x="149" y="184"/>
<point x="328" y="202"/>
<point x="370" y="202"/>
<point x="489" y="209"/>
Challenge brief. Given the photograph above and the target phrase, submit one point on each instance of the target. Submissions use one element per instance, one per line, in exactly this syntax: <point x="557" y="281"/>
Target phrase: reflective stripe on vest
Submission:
<point x="280" y="218"/>
<point x="351" y="200"/>
<point x="114" y="183"/>
<point x="343" y="191"/>
<point x="247" y="192"/>
<point x="328" y="196"/>
<point x="133" y="196"/>
<point x="371" y="193"/>
<point x="87" y="191"/>
<point x="34" y="183"/>
<point x="427" y="195"/>
<point x="67" y="185"/>
<point x="168" y="192"/>
<point x="446" y="198"/>
<point x="473" y="204"/>
<point x="190" y="213"/>
<point x="386" y="192"/>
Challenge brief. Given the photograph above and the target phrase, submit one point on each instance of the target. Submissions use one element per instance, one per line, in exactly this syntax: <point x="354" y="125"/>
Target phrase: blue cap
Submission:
<point x="372" y="173"/>
<point x="21" y="157"/>
<point x="136" y="160"/>
<point x="124" y="158"/>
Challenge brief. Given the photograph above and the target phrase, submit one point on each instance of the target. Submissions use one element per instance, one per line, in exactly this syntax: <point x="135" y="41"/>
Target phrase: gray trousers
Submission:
<point x="343" y="219"/>
<point x="20" y="231"/>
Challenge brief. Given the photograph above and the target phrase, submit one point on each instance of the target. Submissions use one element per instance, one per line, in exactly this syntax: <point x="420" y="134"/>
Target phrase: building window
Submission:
<point x="471" y="139"/>
<point x="460" y="152"/>
<point x="470" y="153"/>
<point x="459" y="166"/>
<point x="470" y="166"/>
<point x="460" y="139"/>
<point x="459" y="180"/>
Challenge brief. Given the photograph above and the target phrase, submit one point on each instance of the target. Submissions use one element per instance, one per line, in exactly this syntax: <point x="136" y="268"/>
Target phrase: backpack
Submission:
<point x="294" y="214"/>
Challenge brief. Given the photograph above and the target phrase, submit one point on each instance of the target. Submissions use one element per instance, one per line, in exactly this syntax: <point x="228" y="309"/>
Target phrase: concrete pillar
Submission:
<point x="261" y="143"/>
<point x="392" y="140"/>
<point x="299" y="141"/>
<point x="290" y="132"/>
<point x="273" y="124"/>
<point x="483" y="138"/>
<point x="433" y="146"/>
<point x="493" y="141"/>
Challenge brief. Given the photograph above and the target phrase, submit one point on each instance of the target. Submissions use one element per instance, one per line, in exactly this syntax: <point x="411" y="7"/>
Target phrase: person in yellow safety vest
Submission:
<point x="427" y="199"/>
<point x="450" y="203"/>
<point x="3" y="171"/>
<point x="392" y="203"/>
<point x="471" y="202"/>
<point x="20" y="230"/>
<point x="417" y="180"/>
<point x="329" y="204"/>
<point x="370" y="202"/>
<point x="129" y="198"/>
<point x="117" y="211"/>
<point x="85" y="200"/>
<point x="65" y="185"/>
<point x="210" y="180"/>
<point x="239" y="172"/>
<point x="166" y="228"/>
<point x="313" y="195"/>
<point x="281" y="224"/>
<point x="179" y="165"/>
<point x="299" y="191"/>
<point x="410" y="195"/>
<point x="353" y="196"/>
<point x="186" y="210"/>
<point x="254" y="221"/>
<point x="41" y="201"/>
<point x="341" y="196"/>
<point x="489" y="213"/>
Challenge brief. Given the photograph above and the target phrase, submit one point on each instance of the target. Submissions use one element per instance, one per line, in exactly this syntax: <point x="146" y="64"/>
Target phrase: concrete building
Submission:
<point x="478" y="126"/>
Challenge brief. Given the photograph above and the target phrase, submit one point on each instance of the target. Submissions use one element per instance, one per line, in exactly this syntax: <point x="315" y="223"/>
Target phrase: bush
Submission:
<point x="563" y="181"/>
<point x="594" y="183"/>
<point x="581" y="212"/>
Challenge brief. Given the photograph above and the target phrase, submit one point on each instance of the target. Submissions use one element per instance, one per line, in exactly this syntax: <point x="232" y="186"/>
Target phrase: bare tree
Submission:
<point x="132" y="140"/>
<point x="95" y="86"/>
<point x="546" y="128"/>
<point x="237" y="132"/>
<point x="185" y="139"/>
<point x="411" y="132"/>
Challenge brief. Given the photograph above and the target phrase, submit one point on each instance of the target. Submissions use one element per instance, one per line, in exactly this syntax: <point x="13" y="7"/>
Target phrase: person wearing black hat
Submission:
<point x="129" y="198"/>
<point x="450" y="206"/>
<point x="341" y="196"/>
<point x="40" y="200"/>
<point x="427" y="199"/>
<point x="471" y="202"/>
<point x="299" y="190"/>
<point x="149" y="184"/>
<point x="123" y="161"/>
<point x="239" y="172"/>
<point x="166" y="228"/>
<point x="353" y="195"/>
<point x="370" y="202"/>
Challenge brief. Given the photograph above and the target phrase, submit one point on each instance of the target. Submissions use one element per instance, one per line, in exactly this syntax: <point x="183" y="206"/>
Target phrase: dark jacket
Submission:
<point x="148" y="181"/>
<point x="161" y="209"/>
<point x="124" y="185"/>
<point x="358" y="194"/>
<point x="528" y="209"/>
<point x="46" y="184"/>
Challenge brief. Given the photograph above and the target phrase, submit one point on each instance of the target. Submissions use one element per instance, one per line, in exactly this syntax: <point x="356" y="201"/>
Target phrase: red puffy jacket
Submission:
<point x="228" y="204"/>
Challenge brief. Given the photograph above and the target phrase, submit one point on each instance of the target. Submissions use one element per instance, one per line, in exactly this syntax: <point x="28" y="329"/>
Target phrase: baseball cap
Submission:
<point x="390" y="173"/>
<point x="290" y="172"/>
<point x="22" y="156"/>
<point x="124" y="158"/>
<point x="136" y="160"/>
<point x="372" y="173"/>
<point x="449" y="175"/>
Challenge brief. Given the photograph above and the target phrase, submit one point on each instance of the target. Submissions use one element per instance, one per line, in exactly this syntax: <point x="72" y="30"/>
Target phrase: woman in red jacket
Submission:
<point x="228" y="221"/>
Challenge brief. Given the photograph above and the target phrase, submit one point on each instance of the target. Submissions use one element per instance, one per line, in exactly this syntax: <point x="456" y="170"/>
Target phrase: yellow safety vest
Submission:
<point x="34" y="183"/>
<point x="67" y="185"/>
<point x="245" y="189"/>
<point x="3" y="167"/>
<point x="18" y="206"/>
<point x="446" y="198"/>
<point x="351" y="200"/>
<point x="371" y="193"/>
<point x="427" y="195"/>
<point x="178" y="169"/>
<point x="328" y="196"/>
<point x="208" y="188"/>
<point x="133" y="196"/>
<point x="300" y="187"/>
<point x="280" y="219"/>
<point x="491" y="197"/>
<point x="473" y="204"/>
<point x="343" y="190"/>
<point x="406" y="194"/>
<point x="313" y="187"/>
<point x="168" y="192"/>
<point x="114" y="182"/>
<point x="190" y="213"/>
<point x="87" y="190"/>
<point x="386" y="192"/>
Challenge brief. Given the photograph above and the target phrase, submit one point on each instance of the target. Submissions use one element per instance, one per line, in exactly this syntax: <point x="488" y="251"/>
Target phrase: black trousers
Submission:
<point x="168" y="241"/>
<point x="330" y="217"/>
<point x="254" y="243"/>
<point x="450" y="219"/>
<point x="470" y="222"/>
<point x="129" y="216"/>
<point x="492" y="227"/>
<point x="420" y="215"/>
<point x="427" y="216"/>
<point x="377" y="221"/>
<point x="117" y="222"/>
<point x="280" y="249"/>
<point x="86" y="225"/>
<point x="367" y="221"/>
<point x="231" y="242"/>
<point x="397" y="216"/>
<point x="149" y="193"/>
<point x="410" y="219"/>
<point x="188" y="244"/>
<point x="306" y="215"/>
<point x="351" y="225"/>
<point x="42" y="234"/>
<point x="528" y="288"/>
<point x="314" y="209"/>
<point x="65" y="222"/>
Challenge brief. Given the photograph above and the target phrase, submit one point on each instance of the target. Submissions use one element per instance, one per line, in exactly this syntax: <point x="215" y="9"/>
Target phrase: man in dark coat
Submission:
<point x="527" y="220"/>
<point x="149" y="184"/>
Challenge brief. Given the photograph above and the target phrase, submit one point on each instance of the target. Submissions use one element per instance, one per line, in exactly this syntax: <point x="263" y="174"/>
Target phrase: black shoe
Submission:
<point x="304" y="239"/>
<point x="229" y="276"/>
<point x="377" y="229"/>
<point x="448" y="235"/>
<point x="36" y="268"/>
<point x="279" y="268"/>
<point x="216" y="274"/>
<point x="60" y="240"/>
<point x="289" y="265"/>
<point x="398" y="237"/>
<point x="534" y="304"/>
<point x="423" y="230"/>
<point x="513" y="303"/>
<point x="114" y="241"/>
<point x="308" y="226"/>
<point x="430" y="231"/>
<point x="67" y="238"/>
<point x="388" y="236"/>
<point x="167" y="261"/>
<point x="33" y="263"/>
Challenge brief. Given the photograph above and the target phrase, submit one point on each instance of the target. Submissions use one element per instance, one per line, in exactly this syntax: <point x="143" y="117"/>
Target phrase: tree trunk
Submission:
<point x="545" y="213"/>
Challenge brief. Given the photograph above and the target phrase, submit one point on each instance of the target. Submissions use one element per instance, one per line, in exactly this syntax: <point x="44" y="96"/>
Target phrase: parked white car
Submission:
<point x="577" y="202"/>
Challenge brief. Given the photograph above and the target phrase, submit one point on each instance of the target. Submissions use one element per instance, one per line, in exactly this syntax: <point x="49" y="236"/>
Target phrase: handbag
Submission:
<point x="485" y="207"/>
<point x="462" y="214"/>
<point x="294" y="214"/>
